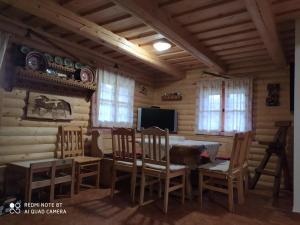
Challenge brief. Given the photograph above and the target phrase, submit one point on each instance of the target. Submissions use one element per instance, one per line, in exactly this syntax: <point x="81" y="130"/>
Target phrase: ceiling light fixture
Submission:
<point x="161" y="46"/>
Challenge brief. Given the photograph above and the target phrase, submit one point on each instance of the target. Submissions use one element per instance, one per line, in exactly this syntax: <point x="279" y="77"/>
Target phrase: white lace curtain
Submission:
<point x="238" y="105"/>
<point x="209" y="106"/>
<point x="114" y="102"/>
<point x="4" y="37"/>
<point x="3" y="46"/>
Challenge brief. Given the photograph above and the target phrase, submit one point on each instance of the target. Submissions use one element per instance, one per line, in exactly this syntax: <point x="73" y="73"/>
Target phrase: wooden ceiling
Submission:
<point x="229" y="36"/>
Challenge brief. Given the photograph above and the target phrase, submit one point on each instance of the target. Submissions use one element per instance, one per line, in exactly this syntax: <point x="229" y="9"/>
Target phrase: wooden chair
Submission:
<point x="65" y="173"/>
<point x="72" y="146"/>
<point x="41" y="175"/>
<point x="156" y="163"/>
<point x="124" y="158"/>
<point x="224" y="170"/>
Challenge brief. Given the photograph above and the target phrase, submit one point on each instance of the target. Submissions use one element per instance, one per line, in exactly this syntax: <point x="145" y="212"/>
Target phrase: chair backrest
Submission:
<point x="123" y="144"/>
<point x="248" y="142"/>
<point x="155" y="147"/>
<point x="71" y="141"/>
<point x="239" y="151"/>
<point x="98" y="147"/>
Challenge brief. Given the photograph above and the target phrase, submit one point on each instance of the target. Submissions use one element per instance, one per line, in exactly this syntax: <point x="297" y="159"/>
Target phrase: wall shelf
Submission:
<point x="171" y="97"/>
<point x="61" y="67"/>
<point x="42" y="77"/>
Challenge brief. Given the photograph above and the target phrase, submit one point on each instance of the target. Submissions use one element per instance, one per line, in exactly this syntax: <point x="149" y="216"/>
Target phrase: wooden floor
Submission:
<point x="96" y="207"/>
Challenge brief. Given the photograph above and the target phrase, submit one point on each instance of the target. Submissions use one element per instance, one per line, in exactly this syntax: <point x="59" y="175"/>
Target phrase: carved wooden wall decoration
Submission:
<point x="45" y="106"/>
<point x="273" y="95"/>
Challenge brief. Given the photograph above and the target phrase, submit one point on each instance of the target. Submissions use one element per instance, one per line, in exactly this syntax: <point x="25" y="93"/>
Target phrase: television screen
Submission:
<point x="162" y="118"/>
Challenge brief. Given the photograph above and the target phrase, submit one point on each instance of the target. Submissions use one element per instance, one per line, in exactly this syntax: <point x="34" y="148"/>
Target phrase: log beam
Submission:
<point x="263" y="18"/>
<point x="65" y="18"/>
<point x="19" y="29"/>
<point x="149" y="13"/>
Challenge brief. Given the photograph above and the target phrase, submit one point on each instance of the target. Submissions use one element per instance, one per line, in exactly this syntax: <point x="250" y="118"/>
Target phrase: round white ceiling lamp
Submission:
<point x="161" y="46"/>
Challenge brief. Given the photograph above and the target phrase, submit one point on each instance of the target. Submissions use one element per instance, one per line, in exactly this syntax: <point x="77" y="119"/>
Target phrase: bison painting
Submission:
<point x="41" y="106"/>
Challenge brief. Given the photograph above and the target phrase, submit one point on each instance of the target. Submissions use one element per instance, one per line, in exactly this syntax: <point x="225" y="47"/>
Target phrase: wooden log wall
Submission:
<point x="24" y="139"/>
<point x="263" y="116"/>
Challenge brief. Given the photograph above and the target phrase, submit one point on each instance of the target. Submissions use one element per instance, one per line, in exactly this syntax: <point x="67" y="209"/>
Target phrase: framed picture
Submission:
<point x="50" y="107"/>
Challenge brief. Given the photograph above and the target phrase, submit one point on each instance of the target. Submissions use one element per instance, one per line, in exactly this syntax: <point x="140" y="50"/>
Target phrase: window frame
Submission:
<point x="115" y="103"/>
<point x="222" y="132"/>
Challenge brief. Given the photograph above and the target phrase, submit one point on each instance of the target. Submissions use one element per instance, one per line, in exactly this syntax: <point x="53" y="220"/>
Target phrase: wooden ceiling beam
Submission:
<point x="149" y="13"/>
<point x="263" y="18"/>
<point x="20" y="29"/>
<point x="62" y="17"/>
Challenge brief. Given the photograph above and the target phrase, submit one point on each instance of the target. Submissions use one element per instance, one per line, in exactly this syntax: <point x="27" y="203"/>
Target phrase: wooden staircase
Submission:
<point x="277" y="148"/>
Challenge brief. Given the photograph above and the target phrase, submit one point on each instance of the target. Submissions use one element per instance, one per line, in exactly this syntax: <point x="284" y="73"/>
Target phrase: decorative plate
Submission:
<point x="85" y="74"/>
<point x="24" y="49"/>
<point x="78" y="65"/>
<point x="36" y="61"/>
<point x="49" y="57"/>
<point x="68" y="62"/>
<point x="58" y="60"/>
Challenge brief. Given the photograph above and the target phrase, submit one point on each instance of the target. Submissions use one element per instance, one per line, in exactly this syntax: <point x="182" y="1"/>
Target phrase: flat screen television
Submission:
<point x="162" y="118"/>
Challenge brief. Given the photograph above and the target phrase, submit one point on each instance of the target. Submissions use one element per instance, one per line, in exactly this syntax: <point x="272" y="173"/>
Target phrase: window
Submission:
<point x="115" y="100"/>
<point x="224" y="106"/>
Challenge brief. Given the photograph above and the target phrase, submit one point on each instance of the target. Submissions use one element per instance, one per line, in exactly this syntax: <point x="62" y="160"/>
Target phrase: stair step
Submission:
<point x="267" y="172"/>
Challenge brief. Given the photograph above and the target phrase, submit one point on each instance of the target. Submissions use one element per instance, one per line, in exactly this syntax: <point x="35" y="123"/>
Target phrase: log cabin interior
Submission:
<point x="149" y="112"/>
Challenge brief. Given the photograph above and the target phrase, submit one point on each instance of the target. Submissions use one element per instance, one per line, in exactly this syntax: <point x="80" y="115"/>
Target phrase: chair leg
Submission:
<point x="98" y="175"/>
<point x="78" y="179"/>
<point x="166" y="194"/>
<point x="240" y="188"/>
<point x="246" y="180"/>
<point x="183" y="189"/>
<point x="200" y="188"/>
<point x="230" y="194"/>
<point x="151" y="189"/>
<point x="113" y="182"/>
<point x="142" y="191"/>
<point x="159" y="189"/>
<point x="188" y="184"/>
<point x="52" y="187"/>
<point x="72" y="189"/>
<point x="72" y="182"/>
<point x="133" y="185"/>
<point x="29" y="194"/>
